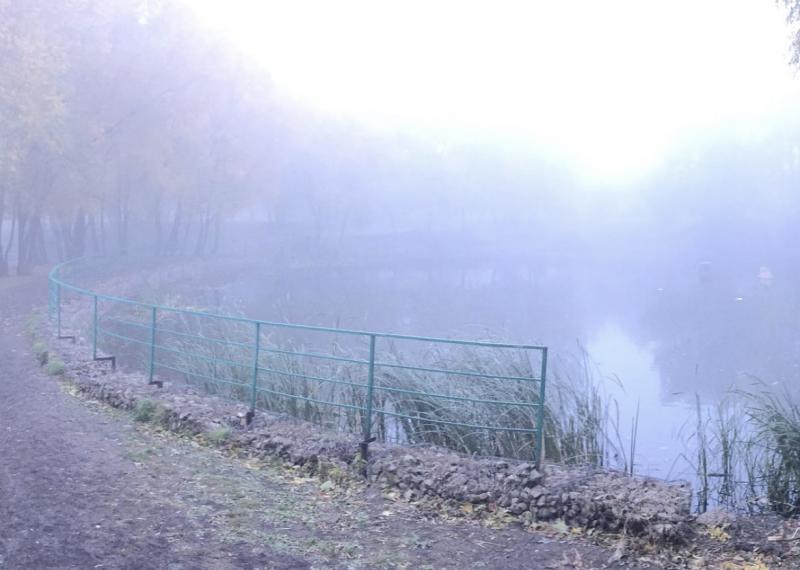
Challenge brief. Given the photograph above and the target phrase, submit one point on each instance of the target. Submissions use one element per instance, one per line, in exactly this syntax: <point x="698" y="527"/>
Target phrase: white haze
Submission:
<point x="607" y="87"/>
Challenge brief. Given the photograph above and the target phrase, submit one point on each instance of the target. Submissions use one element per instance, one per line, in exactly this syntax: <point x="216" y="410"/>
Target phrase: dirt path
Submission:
<point x="82" y="486"/>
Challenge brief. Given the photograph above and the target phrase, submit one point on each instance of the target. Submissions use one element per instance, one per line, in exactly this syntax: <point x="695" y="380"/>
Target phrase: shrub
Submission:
<point x="55" y="367"/>
<point x="145" y="411"/>
<point x="219" y="435"/>
<point x="40" y="352"/>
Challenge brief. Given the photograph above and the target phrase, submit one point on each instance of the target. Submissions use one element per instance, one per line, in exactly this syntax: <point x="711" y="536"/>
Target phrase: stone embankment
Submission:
<point x="580" y="496"/>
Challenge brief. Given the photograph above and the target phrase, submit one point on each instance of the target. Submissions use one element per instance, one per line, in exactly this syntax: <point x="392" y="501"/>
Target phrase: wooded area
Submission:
<point x="127" y="126"/>
<point x="110" y="112"/>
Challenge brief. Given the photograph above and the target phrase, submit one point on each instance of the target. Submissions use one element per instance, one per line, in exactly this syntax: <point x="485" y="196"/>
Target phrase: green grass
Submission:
<point x="146" y="411"/>
<point x="776" y="421"/>
<point x="219" y="435"/>
<point x="746" y="452"/>
<point x="40" y="352"/>
<point x="33" y="324"/>
<point x="139" y="455"/>
<point x="582" y="421"/>
<point x="55" y="366"/>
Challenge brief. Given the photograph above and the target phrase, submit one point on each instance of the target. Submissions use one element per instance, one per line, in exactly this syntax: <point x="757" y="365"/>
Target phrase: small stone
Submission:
<point x="716" y="518"/>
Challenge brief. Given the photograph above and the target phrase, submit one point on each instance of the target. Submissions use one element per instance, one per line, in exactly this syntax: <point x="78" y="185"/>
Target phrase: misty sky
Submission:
<point x="609" y="86"/>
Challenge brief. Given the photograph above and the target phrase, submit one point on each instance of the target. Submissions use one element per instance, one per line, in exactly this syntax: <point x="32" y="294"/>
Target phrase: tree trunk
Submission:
<point x="202" y="235"/>
<point x="4" y="254"/>
<point x="122" y="229"/>
<point x="174" y="232"/>
<point x="159" y="230"/>
<point x="22" y="241"/>
<point x="78" y="235"/>
<point x="93" y="235"/>
<point x="217" y="230"/>
<point x="38" y="247"/>
<point x="102" y="232"/>
<point x="3" y="260"/>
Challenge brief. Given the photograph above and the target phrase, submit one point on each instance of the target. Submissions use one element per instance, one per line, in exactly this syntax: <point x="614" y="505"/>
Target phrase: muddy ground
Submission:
<point x="84" y="486"/>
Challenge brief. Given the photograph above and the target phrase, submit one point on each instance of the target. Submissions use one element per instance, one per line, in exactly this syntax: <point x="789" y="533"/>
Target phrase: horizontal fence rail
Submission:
<point x="477" y="397"/>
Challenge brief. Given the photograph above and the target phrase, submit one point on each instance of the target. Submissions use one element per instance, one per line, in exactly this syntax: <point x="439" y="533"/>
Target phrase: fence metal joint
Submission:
<point x="111" y="359"/>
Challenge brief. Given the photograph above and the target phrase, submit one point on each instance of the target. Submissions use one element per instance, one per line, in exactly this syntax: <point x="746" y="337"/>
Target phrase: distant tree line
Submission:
<point x="125" y="127"/>
<point x="112" y="113"/>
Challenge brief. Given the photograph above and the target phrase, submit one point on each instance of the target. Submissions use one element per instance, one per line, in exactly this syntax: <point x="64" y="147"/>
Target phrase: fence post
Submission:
<point x="58" y="309"/>
<point x="153" y="345"/>
<point x="94" y="327"/>
<point x="254" y="388"/>
<point x="540" y="427"/>
<point x="50" y="307"/>
<point x="367" y="427"/>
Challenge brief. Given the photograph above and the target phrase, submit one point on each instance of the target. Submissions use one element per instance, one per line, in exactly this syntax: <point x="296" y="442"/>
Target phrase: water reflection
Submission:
<point x="666" y="335"/>
<point x="719" y="334"/>
<point x="657" y="418"/>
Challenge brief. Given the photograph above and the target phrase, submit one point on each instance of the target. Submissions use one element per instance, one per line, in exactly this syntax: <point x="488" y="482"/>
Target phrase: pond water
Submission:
<point x="662" y="421"/>
<point x="659" y="340"/>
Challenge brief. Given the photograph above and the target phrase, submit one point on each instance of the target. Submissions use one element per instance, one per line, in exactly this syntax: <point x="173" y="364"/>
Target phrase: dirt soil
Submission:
<point x="84" y="486"/>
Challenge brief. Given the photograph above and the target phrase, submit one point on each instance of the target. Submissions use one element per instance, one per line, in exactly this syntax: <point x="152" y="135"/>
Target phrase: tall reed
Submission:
<point x="747" y="452"/>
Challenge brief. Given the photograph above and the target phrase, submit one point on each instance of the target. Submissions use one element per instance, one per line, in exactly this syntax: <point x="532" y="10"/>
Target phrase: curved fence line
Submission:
<point x="474" y="396"/>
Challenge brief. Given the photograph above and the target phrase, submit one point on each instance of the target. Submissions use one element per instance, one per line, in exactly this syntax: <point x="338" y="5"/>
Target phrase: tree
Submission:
<point x="793" y="19"/>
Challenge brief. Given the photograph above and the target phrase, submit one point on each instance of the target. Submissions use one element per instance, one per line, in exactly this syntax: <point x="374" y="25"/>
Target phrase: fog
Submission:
<point x="627" y="188"/>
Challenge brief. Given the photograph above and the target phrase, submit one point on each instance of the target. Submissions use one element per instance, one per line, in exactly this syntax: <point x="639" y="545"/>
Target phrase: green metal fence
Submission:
<point x="479" y="397"/>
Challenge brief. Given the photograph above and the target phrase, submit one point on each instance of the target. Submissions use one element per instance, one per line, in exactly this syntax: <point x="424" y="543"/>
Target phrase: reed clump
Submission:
<point x="322" y="379"/>
<point x="747" y="452"/>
